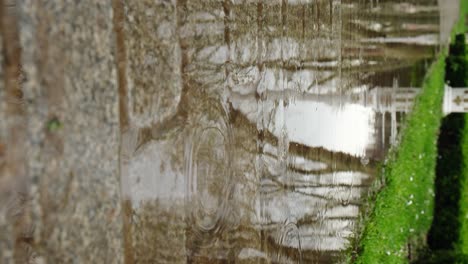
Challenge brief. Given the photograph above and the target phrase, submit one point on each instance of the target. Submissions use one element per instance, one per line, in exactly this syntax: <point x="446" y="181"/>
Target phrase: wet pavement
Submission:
<point x="285" y="110"/>
<point x="236" y="131"/>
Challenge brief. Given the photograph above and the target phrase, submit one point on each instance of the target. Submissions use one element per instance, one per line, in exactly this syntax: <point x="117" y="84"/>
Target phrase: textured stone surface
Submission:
<point x="72" y="101"/>
<point x="5" y="237"/>
<point x="14" y="218"/>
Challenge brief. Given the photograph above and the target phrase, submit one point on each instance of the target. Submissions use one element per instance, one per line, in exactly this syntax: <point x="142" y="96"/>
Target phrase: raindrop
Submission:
<point x="208" y="177"/>
<point x="288" y="235"/>
<point x="364" y="161"/>
<point x="345" y="202"/>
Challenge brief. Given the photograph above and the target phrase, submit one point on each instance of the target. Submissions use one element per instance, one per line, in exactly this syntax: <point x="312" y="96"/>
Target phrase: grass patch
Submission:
<point x="402" y="211"/>
<point x="448" y="237"/>
<point x="454" y="176"/>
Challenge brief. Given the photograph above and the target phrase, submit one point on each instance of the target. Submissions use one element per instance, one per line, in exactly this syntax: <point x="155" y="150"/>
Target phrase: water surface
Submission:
<point x="262" y="135"/>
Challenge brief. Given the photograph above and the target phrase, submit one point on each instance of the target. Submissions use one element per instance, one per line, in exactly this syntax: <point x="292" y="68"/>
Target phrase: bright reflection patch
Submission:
<point x="348" y="129"/>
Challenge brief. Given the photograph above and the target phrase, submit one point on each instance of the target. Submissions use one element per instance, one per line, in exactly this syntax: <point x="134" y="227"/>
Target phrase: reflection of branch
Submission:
<point x="329" y="198"/>
<point x="292" y="187"/>
<point x="322" y="81"/>
<point x="124" y="123"/>
<point x="340" y="160"/>
<point x="312" y="219"/>
<point x="306" y="184"/>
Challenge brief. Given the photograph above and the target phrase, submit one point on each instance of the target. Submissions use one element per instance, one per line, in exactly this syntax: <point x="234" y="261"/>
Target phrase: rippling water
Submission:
<point x="283" y="110"/>
<point x="243" y="131"/>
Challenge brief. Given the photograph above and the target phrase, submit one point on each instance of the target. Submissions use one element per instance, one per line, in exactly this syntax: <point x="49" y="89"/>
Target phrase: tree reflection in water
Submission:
<point x="249" y="148"/>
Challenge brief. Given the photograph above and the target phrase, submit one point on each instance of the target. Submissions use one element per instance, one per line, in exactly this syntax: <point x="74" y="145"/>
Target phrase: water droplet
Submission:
<point x="288" y="235"/>
<point x="345" y="202"/>
<point x="209" y="180"/>
<point x="364" y="161"/>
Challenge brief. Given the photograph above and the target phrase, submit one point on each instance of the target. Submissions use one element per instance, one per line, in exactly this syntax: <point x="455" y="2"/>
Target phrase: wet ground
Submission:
<point x="283" y="112"/>
<point x="247" y="131"/>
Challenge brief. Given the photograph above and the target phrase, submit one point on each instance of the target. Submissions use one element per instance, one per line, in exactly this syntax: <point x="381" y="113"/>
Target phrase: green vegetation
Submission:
<point x="462" y="245"/>
<point x="457" y="66"/>
<point x="444" y="234"/>
<point x="54" y="125"/>
<point x="462" y="24"/>
<point x="402" y="212"/>
<point x="399" y="219"/>
<point x="445" y="231"/>
<point x="447" y="239"/>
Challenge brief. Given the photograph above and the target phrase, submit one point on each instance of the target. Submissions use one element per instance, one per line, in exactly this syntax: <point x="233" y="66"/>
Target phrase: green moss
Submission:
<point x="54" y="125"/>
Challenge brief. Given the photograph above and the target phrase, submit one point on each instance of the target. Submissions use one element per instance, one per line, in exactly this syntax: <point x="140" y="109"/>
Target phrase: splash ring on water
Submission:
<point x="208" y="179"/>
<point x="287" y="233"/>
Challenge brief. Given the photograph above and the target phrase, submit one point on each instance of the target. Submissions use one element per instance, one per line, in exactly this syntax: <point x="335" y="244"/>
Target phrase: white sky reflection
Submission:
<point x="347" y="129"/>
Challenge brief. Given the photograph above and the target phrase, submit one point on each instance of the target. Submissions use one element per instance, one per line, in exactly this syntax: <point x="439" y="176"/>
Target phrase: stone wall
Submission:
<point x="70" y="122"/>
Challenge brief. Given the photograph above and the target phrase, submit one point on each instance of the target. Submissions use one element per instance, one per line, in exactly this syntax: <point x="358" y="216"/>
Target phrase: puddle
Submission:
<point x="286" y="109"/>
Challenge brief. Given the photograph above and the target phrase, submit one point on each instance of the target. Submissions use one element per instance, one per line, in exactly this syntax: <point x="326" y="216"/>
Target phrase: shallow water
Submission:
<point x="284" y="110"/>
